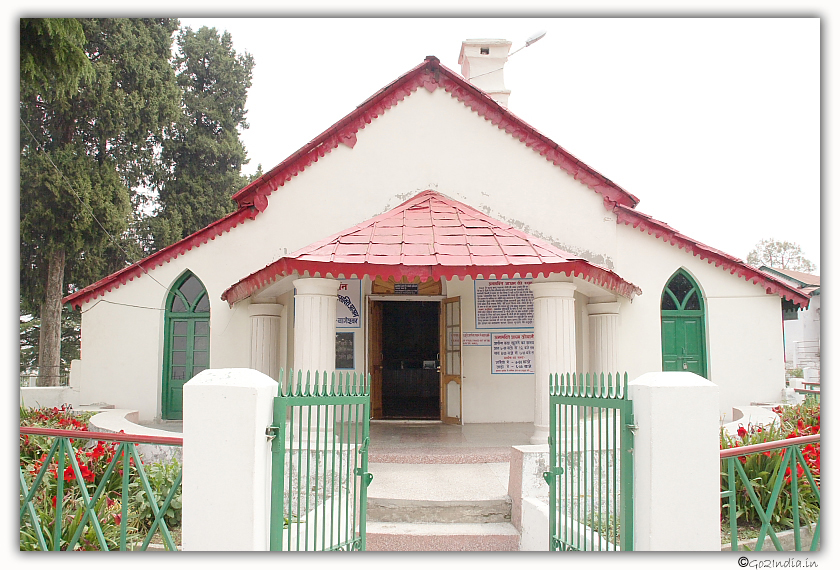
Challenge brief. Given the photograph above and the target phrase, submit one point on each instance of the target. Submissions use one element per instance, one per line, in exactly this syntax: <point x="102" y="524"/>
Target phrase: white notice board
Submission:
<point x="504" y="303"/>
<point x="513" y="353"/>
<point x="348" y="305"/>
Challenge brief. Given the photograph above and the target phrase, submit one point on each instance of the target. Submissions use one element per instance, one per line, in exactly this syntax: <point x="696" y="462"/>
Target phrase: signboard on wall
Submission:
<point x="348" y="307"/>
<point x="513" y="353"/>
<point x="345" y="350"/>
<point x="503" y="303"/>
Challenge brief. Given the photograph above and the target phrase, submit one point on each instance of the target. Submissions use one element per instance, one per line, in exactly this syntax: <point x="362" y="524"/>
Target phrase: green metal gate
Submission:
<point x="321" y="433"/>
<point x="590" y="473"/>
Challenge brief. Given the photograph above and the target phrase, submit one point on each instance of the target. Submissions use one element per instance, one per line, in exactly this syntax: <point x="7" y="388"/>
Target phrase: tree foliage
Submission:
<point x="202" y="153"/>
<point x="52" y="54"/>
<point x="781" y="255"/>
<point x="86" y="141"/>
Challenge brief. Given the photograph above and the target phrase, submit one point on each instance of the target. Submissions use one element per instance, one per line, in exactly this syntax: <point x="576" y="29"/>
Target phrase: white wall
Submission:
<point x="743" y="323"/>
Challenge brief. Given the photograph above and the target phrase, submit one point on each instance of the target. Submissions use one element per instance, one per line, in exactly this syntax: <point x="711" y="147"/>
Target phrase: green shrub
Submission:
<point x="161" y="476"/>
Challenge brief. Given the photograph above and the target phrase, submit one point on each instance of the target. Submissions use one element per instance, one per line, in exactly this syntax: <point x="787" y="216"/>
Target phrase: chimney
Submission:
<point x="482" y="64"/>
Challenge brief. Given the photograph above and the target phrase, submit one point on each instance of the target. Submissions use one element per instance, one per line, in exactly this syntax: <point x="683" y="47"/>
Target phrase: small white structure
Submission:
<point x="437" y="242"/>
<point x="802" y="327"/>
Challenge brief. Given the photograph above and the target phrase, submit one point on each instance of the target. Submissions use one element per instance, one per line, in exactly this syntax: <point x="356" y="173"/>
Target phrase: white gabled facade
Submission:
<point x="432" y="140"/>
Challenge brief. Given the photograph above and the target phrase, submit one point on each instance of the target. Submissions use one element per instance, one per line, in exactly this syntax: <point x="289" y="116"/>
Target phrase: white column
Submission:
<point x="603" y="338"/>
<point x="677" y="462"/>
<point x="267" y="338"/>
<point x="315" y="300"/>
<point x="227" y="460"/>
<point x="554" y="345"/>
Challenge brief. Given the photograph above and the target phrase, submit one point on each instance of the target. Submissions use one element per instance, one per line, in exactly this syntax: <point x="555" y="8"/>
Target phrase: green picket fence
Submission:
<point x="590" y="475"/>
<point x="320" y="436"/>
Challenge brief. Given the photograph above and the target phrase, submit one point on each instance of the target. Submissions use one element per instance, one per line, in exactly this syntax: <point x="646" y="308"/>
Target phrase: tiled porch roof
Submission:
<point x="431" y="236"/>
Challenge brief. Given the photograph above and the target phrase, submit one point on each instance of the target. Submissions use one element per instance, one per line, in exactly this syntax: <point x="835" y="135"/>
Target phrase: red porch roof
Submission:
<point x="431" y="236"/>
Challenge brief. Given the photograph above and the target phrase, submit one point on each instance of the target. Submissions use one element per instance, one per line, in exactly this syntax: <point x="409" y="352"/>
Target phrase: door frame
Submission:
<point x="373" y="341"/>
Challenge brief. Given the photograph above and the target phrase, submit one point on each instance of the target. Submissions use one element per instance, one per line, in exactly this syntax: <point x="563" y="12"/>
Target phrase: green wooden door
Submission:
<point x="683" y="326"/>
<point x="186" y="342"/>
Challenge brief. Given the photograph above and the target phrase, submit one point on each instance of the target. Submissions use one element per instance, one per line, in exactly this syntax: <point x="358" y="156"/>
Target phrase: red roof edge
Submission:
<point x="287" y="266"/>
<point x="123" y="276"/>
<point x="734" y="265"/>
<point x="430" y="74"/>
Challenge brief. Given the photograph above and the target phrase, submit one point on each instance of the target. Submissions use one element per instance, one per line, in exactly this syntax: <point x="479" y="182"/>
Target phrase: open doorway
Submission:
<point x="410" y="359"/>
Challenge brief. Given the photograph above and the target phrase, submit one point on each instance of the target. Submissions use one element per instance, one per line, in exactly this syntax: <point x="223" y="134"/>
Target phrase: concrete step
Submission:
<point x="477" y="511"/>
<point x="438" y="537"/>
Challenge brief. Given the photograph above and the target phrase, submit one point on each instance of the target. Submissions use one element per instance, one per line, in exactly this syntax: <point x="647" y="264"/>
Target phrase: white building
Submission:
<point x="802" y="327"/>
<point x="432" y="228"/>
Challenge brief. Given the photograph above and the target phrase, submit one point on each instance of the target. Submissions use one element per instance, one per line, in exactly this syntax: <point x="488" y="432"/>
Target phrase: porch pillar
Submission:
<point x="603" y="337"/>
<point x="315" y="300"/>
<point x="267" y="338"/>
<point x="554" y="345"/>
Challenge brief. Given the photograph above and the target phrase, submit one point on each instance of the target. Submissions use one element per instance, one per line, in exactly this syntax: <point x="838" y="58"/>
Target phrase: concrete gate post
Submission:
<point x="554" y="345"/>
<point x="227" y="460"/>
<point x="677" y="462"/>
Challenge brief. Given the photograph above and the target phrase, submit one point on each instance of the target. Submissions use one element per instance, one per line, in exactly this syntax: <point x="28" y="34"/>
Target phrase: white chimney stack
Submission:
<point x="482" y="64"/>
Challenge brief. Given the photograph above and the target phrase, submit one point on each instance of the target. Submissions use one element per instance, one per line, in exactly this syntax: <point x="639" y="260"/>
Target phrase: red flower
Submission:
<point x="53" y="502"/>
<point x="117" y="518"/>
<point x="68" y="473"/>
<point x="97" y="451"/>
<point x="741" y="431"/>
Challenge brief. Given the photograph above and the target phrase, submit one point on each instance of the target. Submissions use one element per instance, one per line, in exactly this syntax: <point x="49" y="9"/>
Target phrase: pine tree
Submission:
<point x="87" y="138"/>
<point x="203" y="152"/>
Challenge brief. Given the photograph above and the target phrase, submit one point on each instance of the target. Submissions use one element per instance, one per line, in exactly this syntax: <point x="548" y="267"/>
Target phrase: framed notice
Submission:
<point x="504" y="303"/>
<point x="347" y="309"/>
<point x="475" y="339"/>
<point x="345" y="350"/>
<point x="513" y="353"/>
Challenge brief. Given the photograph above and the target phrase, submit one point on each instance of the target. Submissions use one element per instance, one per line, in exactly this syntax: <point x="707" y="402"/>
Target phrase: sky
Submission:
<point x="714" y="124"/>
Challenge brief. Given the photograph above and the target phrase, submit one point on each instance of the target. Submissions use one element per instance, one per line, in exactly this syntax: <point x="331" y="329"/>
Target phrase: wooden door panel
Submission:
<point x="450" y="388"/>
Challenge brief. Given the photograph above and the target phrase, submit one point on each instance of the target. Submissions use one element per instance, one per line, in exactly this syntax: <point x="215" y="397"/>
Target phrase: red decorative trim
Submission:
<point x="431" y="75"/>
<point x="115" y="280"/>
<point x="288" y="266"/>
<point x="734" y="265"/>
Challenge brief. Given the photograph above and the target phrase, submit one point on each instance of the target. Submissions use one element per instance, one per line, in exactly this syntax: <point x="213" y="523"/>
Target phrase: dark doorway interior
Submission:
<point x="410" y="347"/>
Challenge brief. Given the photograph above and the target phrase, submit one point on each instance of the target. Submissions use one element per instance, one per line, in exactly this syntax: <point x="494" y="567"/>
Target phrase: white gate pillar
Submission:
<point x="227" y="460"/>
<point x="267" y="338"/>
<point x="676" y="452"/>
<point x="603" y="337"/>
<point x="554" y="345"/>
<point x="315" y="300"/>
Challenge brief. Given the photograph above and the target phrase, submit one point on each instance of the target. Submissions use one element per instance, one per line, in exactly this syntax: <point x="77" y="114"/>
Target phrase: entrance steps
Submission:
<point x="441" y="506"/>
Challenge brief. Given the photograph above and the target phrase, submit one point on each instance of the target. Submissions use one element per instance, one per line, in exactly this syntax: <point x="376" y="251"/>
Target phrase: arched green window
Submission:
<point x="683" y="311"/>
<point x="186" y="341"/>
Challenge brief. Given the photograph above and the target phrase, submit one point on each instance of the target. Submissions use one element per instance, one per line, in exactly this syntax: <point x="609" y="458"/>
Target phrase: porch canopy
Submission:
<point x="431" y="236"/>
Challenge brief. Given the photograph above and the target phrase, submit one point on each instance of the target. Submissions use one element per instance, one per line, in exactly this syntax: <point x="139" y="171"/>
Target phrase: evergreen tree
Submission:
<point x="203" y="153"/>
<point x="87" y="138"/>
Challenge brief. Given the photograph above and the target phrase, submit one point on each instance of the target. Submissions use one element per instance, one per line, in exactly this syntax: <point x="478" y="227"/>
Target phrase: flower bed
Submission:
<point x="763" y="470"/>
<point x="100" y="509"/>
